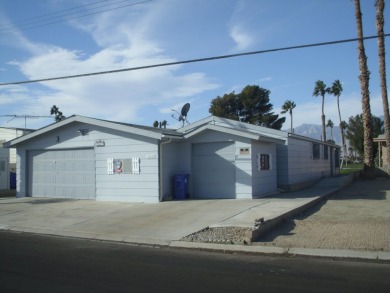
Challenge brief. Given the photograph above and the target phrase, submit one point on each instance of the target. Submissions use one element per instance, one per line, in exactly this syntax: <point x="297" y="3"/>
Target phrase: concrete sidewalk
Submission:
<point x="166" y="223"/>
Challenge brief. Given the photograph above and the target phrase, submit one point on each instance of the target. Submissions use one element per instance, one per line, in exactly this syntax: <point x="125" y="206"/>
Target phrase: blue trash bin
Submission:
<point x="12" y="180"/>
<point x="181" y="186"/>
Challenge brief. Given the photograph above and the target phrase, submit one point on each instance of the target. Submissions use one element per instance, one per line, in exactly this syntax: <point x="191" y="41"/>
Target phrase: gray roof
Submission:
<point x="210" y="123"/>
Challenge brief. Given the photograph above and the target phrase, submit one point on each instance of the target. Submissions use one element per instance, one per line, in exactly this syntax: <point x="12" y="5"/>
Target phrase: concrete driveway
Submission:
<point x="159" y="223"/>
<point x="129" y="222"/>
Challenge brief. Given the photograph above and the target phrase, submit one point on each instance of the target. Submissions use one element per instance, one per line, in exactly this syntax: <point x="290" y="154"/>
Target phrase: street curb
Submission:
<point x="272" y="223"/>
<point x="293" y="251"/>
<point x="226" y="248"/>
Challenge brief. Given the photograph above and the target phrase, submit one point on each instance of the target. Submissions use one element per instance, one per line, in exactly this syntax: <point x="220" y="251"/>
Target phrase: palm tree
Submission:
<point x="336" y="90"/>
<point x="330" y="124"/>
<point x="320" y="90"/>
<point x="288" y="106"/>
<point x="380" y="21"/>
<point x="369" y="163"/>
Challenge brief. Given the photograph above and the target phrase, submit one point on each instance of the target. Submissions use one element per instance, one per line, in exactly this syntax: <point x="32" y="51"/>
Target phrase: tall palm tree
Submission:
<point x="369" y="164"/>
<point x="336" y="90"/>
<point x="320" y="90"/>
<point x="288" y="106"/>
<point x="330" y="124"/>
<point x="380" y="21"/>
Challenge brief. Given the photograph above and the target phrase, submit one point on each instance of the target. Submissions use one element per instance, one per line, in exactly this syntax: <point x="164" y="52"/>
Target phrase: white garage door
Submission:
<point x="214" y="170"/>
<point x="62" y="173"/>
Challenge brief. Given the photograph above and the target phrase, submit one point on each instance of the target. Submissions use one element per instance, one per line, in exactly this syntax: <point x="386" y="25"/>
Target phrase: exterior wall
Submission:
<point x="185" y="152"/>
<point x="21" y="177"/>
<point x="7" y="134"/>
<point x="118" y="145"/>
<point x="249" y="181"/>
<point x="282" y="163"/>
<point x="244" y="169"/>
<point x="296" y="166"/>
<point x="264" y="181"/>
<point x="170" y="168"/>
<point x="4" y="169"/>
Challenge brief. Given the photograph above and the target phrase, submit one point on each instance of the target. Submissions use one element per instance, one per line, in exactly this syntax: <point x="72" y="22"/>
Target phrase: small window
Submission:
<point x="316" y="151"/>
<point x="263" y="162"/>
<point x="326" y="152"/>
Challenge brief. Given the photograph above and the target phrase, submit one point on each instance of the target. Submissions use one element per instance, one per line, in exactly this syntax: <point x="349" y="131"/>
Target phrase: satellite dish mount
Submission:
<point x="183" y="114"/>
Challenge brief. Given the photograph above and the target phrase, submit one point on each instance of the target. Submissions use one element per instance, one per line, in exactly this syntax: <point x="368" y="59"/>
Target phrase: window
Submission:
<point x="326" y="151"/>
<point x="316" y="151"/>
<point x="263" y="162"/>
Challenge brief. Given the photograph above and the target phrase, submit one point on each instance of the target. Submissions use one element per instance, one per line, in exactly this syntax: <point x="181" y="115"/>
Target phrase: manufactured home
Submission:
<point x="88" y="158"/>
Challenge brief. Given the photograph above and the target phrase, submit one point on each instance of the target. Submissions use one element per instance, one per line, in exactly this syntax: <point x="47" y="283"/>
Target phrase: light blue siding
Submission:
<point x="264" y="181"/>
<point x="119" y="145"/>
<point x="296" y="166"/>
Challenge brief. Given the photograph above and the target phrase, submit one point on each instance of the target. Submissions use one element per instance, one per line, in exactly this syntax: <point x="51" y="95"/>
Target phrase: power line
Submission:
<point x="35" y="18"/>
<point x="74" y="17"/>
<point x="192" y="60"/>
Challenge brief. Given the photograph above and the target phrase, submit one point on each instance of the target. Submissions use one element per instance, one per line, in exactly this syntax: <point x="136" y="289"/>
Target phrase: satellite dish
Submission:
<point x="183" y="113"/>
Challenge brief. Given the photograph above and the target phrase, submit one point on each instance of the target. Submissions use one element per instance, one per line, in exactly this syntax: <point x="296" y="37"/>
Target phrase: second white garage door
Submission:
<point x="214" y="174"/>
<point x="62" y="173"/>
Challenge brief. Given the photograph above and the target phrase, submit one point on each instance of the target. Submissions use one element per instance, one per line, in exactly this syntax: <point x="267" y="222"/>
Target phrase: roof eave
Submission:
<point x="87" y="120"/>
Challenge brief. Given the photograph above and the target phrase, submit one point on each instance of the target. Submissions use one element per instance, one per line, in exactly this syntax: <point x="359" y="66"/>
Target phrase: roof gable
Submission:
<point x="152" y="132"/>
<point x="235" y="128"/>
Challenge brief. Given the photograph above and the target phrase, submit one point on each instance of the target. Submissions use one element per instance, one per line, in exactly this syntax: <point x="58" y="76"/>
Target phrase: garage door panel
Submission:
<point x="214" y="170"/>
<point x="209" y="176"/>
<point x="213" y="163"/>
<point x="62" y="173"/>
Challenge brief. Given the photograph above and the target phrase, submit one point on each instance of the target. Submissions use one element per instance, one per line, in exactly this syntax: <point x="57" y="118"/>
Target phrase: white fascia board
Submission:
<point x="40" y="131"/>
<point x="196" y="124"/>
<point x="231" y="131"/>
<point x="237" y="132"/>
<point x="300" y="137"/>
<point x="121" y="127"/>
<point x="237" y="125"/>
<point x="250" y="127"/>
<point x="86" y="120"/>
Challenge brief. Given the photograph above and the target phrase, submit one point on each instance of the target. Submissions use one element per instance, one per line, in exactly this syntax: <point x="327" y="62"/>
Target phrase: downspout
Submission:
<point x="161" y="168"/>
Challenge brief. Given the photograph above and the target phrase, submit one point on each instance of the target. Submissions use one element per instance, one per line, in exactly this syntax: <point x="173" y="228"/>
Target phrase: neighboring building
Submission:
<point x="89" y="158"/>
<point x="382" y="151"/>
<point x="8" y="156"/>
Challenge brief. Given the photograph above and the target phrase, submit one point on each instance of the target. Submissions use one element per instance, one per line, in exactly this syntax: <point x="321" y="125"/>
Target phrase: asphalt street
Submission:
<point x="37" y="263"/>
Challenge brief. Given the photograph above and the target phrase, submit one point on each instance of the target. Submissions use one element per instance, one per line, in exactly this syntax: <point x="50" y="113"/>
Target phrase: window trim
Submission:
<point x="264" y="162"/>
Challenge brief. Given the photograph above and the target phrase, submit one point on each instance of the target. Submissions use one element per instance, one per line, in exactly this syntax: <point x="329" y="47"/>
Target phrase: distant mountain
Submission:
<point x="315" y="131"/>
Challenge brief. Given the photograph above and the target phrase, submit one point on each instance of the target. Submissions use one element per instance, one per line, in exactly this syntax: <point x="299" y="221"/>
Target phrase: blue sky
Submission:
<point x="161" y="31"/>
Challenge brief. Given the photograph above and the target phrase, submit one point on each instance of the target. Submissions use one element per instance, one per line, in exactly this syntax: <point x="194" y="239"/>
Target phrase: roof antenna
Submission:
<point x="182" y="114"/>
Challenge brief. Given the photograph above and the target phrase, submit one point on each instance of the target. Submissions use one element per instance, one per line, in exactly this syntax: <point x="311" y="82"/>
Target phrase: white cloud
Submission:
<point x="128" y="96"/>
<point x="241" y="37"/>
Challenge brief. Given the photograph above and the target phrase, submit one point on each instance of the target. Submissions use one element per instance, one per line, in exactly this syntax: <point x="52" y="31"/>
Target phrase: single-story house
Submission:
<point x="8" y="156"/>
<point x="90" y="158"/>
